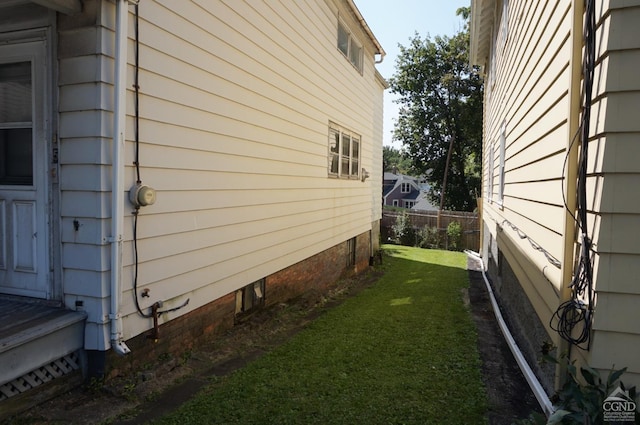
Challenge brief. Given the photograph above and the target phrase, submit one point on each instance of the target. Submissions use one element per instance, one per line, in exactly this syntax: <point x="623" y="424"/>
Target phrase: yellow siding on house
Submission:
<point x="614" y="179"/>
<point x="529" y="96"/>
<point x="527" y="91"/>
<point x="236" y="98"/>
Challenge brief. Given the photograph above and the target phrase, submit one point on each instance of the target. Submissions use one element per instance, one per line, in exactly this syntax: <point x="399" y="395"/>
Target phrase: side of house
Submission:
<point x="531" y="55"/>
<point x="254" y="130"/>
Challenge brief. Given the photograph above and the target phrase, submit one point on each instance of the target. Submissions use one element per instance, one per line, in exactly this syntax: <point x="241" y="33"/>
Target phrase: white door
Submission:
<point x="24" y="257"/>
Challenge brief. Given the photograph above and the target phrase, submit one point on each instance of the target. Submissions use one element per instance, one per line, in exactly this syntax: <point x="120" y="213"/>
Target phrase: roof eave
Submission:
<point x="481" y="28"/>
<point x="379" y="50"/>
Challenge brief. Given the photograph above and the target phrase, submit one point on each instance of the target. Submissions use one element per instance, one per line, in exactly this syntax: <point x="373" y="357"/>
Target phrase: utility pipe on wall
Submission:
<point x="117" y="173"/>
<point x="569" y="185"/>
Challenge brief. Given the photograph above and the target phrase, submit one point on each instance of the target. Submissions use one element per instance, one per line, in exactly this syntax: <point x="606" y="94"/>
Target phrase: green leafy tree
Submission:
<point x="440" y="117"/>
<point x="394" y="160"/>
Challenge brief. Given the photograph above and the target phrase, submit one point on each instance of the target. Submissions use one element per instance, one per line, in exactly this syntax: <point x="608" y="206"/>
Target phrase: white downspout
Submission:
<point x="532" y="380"/>
<point x="117" y="170"/>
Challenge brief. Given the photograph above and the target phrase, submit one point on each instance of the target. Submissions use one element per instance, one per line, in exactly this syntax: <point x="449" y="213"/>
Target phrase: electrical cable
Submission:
<point x="553" y="260"/>
<point x="574" y="317"/>
<point x="136" y="162"/>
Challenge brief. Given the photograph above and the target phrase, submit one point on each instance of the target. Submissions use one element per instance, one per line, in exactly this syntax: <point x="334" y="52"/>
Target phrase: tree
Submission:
<point x="440" y="116"/>
<point x="394" y="160"/>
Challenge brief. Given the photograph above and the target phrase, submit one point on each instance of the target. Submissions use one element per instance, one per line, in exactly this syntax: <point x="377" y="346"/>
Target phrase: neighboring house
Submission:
<point x="399" y="190"/>
<point x="257" y="127"/>
<point x="423" y="203"/>
<point x="532" y="57"/>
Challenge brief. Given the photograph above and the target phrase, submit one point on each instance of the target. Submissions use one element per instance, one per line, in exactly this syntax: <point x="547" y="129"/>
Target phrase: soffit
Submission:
<point x="482" y="22"/>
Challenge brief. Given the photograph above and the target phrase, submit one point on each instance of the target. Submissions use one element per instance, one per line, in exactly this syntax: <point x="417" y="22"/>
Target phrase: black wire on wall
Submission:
<point x="136" y="162"/>
<point x="574" y="318"/>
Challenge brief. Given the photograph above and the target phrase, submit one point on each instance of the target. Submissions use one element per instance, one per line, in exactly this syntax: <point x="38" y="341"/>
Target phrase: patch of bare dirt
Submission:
<point x="508" y="393"/>
<point x="152" y="394"/>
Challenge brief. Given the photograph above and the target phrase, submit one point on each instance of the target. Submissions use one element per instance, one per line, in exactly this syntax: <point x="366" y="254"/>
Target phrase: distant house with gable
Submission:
<point x="400" y="190"/>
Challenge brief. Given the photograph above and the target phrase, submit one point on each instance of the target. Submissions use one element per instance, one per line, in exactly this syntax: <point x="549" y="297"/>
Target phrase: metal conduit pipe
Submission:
<point x="117" y="173"/>
<point x="532" y="379"/>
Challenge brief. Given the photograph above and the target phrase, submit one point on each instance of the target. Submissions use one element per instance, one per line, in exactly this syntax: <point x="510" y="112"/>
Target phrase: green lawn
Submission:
<point x="400" y="352"/>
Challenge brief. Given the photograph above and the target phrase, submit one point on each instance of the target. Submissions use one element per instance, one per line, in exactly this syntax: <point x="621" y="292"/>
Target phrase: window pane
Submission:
<point x="355" y="155"/>
<point x="346" y="153"/>
<point x="345" y="166"/>
<point x="346" y="145"/>
<point x="355" y="53"/>
<point x="343" y="39"/>
<point x="334" y="141"/>
<point x="333" y="163"/>
<point x="355" y="146"/>
<point x="16" y="166"/>
<point x="15" y="92"/>
<point x="334" y="151"/>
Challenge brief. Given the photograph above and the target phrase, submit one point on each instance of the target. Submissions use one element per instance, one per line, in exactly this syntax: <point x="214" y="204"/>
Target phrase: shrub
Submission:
<point x="428" y="237"/>
<point x="403" y="232"/>
<point x="454" y="236"/>
<point x="581" y="399"/>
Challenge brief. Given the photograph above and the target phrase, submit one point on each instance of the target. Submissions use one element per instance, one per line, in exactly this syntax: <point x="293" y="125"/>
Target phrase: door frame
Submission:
<point x="42" y="76"/>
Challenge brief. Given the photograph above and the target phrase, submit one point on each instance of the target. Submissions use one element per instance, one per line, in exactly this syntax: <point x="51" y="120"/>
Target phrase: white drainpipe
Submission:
<point x="117" y="170"/>
<point x="532" y="379"/>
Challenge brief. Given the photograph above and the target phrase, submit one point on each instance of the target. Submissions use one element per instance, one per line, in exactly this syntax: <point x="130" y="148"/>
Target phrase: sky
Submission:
<point x="395" y="22"/>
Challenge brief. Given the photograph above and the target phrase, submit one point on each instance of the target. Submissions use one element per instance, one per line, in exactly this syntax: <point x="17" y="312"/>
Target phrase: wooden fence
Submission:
<point x="469" y="222"/>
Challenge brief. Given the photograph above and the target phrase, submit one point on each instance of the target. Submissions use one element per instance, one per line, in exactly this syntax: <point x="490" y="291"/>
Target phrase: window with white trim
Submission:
<point x="344" y="153"/>
<point x="409" y="204"/>
<point x="501" y="176"/>
<point x="500" y="41"/>
<point x="349" y="46"/>
<point x="405" y="187"/>
<point x="395" y="202"/>
<point x="490" y="172"/>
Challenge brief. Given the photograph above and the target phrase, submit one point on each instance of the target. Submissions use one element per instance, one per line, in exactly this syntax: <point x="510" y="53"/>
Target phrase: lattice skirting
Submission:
<point x="42" y="375"/>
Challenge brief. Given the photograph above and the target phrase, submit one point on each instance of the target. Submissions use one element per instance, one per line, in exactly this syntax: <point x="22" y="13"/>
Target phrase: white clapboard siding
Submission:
<point x="235" y="104"/>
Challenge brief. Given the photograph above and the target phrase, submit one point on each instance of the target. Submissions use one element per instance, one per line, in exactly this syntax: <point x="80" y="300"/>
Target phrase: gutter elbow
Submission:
<point x="120" y="347"/>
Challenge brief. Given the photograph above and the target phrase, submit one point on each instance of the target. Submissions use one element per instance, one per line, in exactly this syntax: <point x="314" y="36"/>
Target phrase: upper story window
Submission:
<point x="405" y="188"/>
<point x="344" y="152"/>
<point x="349" y="46"/>
<point x="500" y="41"/>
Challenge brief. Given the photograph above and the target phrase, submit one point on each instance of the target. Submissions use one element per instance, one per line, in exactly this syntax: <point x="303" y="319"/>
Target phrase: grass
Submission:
<point x="400" y="352"/>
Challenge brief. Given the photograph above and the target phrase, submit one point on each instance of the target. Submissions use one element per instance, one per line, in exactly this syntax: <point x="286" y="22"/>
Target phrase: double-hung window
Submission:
<point x="349" y="46"/>
<point x="344" y="153"/>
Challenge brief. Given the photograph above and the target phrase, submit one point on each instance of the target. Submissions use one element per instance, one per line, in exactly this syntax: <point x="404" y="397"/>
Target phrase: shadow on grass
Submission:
<point x="401" y="351"/>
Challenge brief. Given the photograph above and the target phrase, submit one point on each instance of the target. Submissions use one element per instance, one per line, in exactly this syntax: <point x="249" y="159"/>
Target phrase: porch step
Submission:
<point x="37" y="343"/>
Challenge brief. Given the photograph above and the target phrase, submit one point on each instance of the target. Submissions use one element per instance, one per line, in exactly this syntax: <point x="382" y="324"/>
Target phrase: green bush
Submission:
<point x="428" y="238"/>
<point x="403" y="231"/>
<point x="454" y="236"/>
